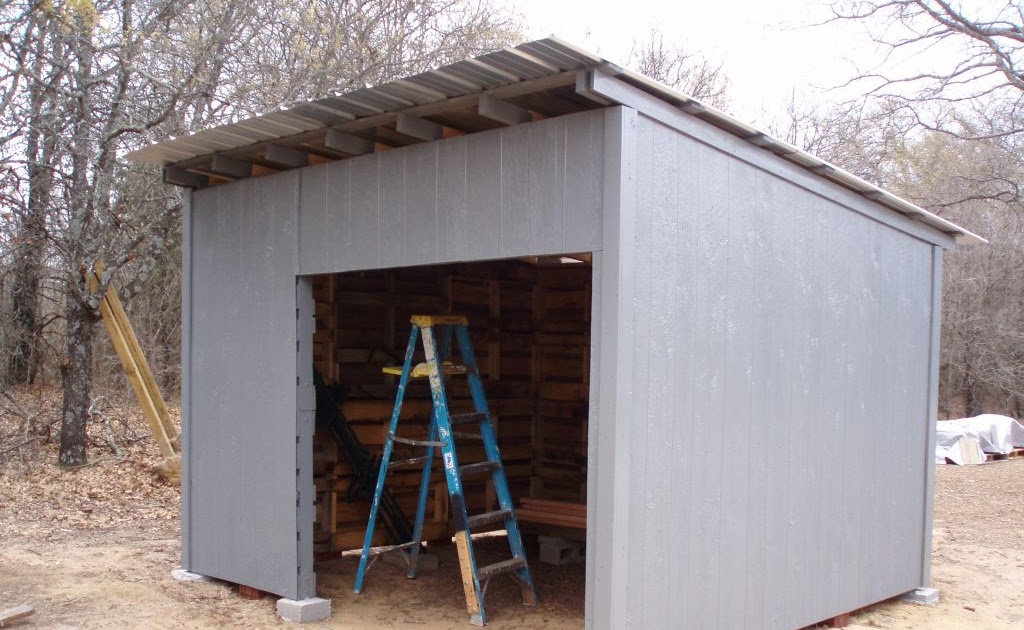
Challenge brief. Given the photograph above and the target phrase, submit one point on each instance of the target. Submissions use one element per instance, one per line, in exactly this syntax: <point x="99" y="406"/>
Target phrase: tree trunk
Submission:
<point x="973" y="399"/>
<point x="24" y="309"/>
<point x="77" y="376"/>
<point x="40" y="146"/>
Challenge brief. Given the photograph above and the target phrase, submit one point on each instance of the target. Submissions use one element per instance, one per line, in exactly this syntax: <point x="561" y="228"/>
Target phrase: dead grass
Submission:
<point x="94" y="547"/>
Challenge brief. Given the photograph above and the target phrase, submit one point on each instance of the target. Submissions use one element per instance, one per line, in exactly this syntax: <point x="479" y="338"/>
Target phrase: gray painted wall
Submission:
<point x="240" y="415"/>
<point x="762" y="366"/>
<point x="527" y="190"/>
<point x="778" y="396"/>
<point x="523" y="190"/>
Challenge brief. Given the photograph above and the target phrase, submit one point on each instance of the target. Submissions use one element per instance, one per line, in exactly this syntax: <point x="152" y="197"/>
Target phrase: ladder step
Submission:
<point x="464" y="418"/>
<point x="478" y="467"/>
<point x="498" y="568"/>
<point x="411" y="442"/>
<point x="488" y="517"/>
<point x="408" y="462"/>
<point x="460" y="435"/>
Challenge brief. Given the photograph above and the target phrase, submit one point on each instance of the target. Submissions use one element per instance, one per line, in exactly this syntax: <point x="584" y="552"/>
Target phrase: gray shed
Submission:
<point x="743" y="383"/>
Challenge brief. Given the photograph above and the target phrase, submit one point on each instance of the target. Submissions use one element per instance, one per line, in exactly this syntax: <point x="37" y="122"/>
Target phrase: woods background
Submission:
<point x="82" y="83"/>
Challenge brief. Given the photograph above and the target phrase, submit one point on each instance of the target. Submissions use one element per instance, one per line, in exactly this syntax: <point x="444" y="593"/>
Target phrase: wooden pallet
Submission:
<point x="1018" y="452"/>
<point x="531" y="328"/>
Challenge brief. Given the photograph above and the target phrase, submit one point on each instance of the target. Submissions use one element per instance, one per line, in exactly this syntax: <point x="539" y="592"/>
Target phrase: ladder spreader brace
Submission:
<point x="440" y="435"/>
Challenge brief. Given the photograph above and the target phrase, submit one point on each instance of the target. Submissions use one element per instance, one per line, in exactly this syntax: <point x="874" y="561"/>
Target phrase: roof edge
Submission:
<point x="514" y="70"/>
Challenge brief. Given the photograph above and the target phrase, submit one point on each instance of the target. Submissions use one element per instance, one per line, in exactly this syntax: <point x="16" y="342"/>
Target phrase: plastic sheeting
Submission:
<point x="967" y="440"/>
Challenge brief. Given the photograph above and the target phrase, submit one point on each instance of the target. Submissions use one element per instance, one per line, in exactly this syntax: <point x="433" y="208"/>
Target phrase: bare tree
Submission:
<point x="681" y="69"/>
<point x="974" y="182"/>
<point x="97" y="79"/>
<point x="975" y="54"/>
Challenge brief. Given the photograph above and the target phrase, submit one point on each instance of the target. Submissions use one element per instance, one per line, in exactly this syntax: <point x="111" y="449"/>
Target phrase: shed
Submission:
<point x="725" y="347"/>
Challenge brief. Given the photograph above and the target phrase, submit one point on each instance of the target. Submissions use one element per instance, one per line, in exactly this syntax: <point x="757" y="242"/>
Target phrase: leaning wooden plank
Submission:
<point x="135" y="378"/>
<point x="117" y="310"/>
<point x="13" y="614"/>
<point x="131" y="368"/>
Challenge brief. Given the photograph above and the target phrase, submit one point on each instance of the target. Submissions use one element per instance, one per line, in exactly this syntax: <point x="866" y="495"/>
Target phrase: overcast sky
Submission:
<point x="767" y="46"/>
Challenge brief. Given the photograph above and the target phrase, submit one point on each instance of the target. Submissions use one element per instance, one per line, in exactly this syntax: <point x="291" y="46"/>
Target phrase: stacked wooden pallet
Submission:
<point x="562" y="373"/>
<point x="323" y="335"/>
<point x="341" y="520"/>
<point x="497" y="300"/>
<point x="369" y="320"/>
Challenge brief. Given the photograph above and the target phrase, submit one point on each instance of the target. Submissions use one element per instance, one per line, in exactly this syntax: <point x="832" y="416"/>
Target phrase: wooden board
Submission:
<point x="13" y="614"/>
<point x="558" y="513"/>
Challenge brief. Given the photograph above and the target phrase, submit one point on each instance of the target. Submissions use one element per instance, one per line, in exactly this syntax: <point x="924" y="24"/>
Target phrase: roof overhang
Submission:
<point x="536" y="80"/>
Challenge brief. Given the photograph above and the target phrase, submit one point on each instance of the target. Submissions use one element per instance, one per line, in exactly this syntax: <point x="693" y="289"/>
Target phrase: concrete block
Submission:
<point x="187" y="576"/>
<point x="924" y="595"/>
<point x="400" y="558"/>
<point x="303" y="610"/>
<point x="559" y="550"/>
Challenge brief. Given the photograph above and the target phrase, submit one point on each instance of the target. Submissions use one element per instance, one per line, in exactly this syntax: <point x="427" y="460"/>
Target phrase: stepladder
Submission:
<point x="440" y="335"/>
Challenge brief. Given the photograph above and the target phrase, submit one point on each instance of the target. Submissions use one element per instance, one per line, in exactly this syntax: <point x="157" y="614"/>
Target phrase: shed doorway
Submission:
<point x="531" y="326"/>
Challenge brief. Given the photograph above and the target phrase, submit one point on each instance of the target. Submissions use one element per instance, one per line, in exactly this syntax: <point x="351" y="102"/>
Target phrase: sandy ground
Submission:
<point x="94" y="548"/>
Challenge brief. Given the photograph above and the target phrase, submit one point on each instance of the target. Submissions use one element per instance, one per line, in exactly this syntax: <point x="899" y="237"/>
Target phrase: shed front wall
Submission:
<point x="240" y="412"/>
<point x="532" y="189"/>
<point x="778" y="351"/>
<point x="526" y="190"/>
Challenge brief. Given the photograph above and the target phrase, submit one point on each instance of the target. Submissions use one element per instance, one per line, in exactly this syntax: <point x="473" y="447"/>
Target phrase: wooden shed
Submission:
<point x="725" y="347"/>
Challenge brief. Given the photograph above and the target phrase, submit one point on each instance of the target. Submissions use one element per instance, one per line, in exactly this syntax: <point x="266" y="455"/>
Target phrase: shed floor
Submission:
<point x="434" y="600"/>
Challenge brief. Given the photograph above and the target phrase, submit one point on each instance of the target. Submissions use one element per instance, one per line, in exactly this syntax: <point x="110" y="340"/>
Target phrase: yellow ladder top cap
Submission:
<point x="422" y="370"/>
<point x="439" y="320"/>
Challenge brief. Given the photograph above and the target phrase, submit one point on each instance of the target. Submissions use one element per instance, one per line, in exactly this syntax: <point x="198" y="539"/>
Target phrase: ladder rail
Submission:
<point x="436" y="333"/>
<point x="450" y="463"/>
<point x="421" y="504"/>
<point x="396" y="412"/>
<point x="498" y="478"/>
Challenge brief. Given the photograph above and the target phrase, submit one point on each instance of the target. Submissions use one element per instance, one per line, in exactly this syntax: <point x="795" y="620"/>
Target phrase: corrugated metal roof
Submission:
<point x="530" y="61"/>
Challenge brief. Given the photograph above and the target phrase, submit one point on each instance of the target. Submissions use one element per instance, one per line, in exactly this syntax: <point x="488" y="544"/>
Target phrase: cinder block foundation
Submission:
<point x="560" y="550"/>
<point x="187" y="576"/>
<point x="303" y="610"/>
<point x="925" y="596"/>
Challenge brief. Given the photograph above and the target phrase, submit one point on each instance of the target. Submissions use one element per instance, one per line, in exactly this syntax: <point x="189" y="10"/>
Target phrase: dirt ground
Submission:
<point x="94" y="548"/>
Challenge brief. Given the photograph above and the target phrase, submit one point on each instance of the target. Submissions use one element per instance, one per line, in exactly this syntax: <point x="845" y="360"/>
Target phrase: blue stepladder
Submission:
<point x="441" y="435"/>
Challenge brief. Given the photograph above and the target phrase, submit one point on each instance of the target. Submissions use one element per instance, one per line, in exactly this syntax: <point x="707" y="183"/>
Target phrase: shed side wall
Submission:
<point x="241" y="491"/>
<point x="780" y="397"/>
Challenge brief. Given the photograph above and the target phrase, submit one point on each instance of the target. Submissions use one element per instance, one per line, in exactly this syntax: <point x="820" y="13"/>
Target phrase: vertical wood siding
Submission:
<point x="527" y="190"/>
<point x="779" y="397"/>
<point x="242" y="411"/>
<point x="524" y="190"/>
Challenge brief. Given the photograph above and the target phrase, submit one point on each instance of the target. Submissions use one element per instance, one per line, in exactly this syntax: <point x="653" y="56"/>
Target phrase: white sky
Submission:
<point x="767" y="47"/>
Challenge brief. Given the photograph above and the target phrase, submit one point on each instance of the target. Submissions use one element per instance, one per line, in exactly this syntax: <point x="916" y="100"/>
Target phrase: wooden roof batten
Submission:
<point x="535" y="80"/>
<point x="353" y="137"/>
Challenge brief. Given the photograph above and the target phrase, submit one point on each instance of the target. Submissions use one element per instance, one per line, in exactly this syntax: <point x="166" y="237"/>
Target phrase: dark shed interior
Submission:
<point x="530" y="322"/>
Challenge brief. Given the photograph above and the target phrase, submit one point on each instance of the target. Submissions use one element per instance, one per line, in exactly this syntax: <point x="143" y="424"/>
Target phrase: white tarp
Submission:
<point x="967" y="440"/>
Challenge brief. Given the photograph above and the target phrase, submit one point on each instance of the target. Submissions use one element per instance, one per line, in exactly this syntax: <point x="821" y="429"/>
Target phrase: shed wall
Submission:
<point x="532" y="189"/>
<point x="240" y="418"/>
<point x="523" y="190"/>
<point x="779" y="399"/>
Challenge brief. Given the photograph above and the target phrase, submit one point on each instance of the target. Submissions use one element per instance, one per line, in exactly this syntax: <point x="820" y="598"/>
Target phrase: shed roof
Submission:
<point x="538" y="79"/>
